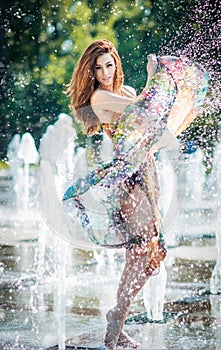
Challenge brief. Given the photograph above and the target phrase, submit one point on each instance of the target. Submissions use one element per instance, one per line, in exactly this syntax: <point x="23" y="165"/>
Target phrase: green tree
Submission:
<point x="42" y="41"/>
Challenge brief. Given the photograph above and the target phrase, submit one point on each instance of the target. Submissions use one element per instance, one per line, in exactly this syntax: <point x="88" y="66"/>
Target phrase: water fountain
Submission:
<point x="15" y="163"/>
<point x="53" y="256"/>
<point x="19" y="229"/>
<point x="28" y="153"/>
<point x="154" y="295"/>
<point x="50" y="149"/>
<point x="215" y="282"/>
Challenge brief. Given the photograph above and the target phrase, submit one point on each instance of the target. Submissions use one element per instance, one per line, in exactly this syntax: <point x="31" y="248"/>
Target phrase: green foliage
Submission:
<point x="43" y="40"/>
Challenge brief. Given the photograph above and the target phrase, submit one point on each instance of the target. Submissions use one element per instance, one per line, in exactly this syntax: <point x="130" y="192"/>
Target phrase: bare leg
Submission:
<point x="125" y="341"/>
<point x="124" y="276"/>
<point x="133" y="279"/>
<point x="136" y="272"/>
<point x="134" y="276"/>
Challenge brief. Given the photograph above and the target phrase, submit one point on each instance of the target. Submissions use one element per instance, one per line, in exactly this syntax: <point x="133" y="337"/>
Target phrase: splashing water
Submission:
<point x="198" y="38"/>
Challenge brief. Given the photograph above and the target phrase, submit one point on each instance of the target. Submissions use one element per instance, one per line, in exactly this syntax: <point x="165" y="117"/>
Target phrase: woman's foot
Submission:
<point x="125" y="341"/>
<point x="114" y="328"/>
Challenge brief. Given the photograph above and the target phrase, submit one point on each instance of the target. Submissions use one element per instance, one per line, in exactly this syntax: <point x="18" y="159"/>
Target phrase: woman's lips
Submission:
<point x="106" y="79"/>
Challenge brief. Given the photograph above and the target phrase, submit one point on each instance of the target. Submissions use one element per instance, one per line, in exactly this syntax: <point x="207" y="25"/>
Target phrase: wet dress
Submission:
<point x="125" y="191"/>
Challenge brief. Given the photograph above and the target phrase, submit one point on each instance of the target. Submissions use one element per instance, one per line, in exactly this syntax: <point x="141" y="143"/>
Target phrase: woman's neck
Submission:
<point x="106" y="88"/>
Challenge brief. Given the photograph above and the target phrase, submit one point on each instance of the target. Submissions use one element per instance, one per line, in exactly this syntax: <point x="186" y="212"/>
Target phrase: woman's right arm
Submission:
<point x="108" y="106"/>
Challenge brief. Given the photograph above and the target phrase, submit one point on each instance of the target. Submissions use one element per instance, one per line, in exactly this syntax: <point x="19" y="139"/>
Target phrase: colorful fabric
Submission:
<point x="170" y="101"/>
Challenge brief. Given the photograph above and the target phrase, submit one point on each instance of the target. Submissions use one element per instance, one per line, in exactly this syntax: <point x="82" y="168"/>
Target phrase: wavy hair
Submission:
<point x="83" y="83"/>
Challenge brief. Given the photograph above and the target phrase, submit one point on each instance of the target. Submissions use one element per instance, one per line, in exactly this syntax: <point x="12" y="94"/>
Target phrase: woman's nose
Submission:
<point x="105" y="71"/>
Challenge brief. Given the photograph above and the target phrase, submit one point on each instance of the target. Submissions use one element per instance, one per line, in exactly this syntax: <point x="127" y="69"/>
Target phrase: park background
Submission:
<point x="41" y="41"/>
<point x="51" y="292"/>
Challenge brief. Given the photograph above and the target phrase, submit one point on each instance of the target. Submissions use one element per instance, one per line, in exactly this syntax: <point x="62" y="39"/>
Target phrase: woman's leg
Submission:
<point x="136" y="272"/>
<point x="134" y="277"/>
<point x="124" y="340"/>
<point x="124" y="276"/>
<point x="127" y="292"/>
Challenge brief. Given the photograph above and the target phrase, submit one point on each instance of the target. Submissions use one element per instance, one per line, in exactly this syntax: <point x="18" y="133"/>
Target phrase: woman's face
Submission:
<point x="105" y="68"/>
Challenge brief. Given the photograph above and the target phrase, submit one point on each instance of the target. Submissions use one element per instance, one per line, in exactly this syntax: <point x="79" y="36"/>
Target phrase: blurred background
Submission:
<point x="49" y="289"/>
<point x="41" y="41"/>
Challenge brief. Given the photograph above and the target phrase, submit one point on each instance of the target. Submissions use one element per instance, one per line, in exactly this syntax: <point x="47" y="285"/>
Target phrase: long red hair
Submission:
<point x="83" y="83"/>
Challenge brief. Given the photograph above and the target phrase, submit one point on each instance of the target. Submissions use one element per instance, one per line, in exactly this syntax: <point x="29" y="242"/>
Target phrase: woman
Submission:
<point x="98" y="99"/>
<point x="98" y="82"/>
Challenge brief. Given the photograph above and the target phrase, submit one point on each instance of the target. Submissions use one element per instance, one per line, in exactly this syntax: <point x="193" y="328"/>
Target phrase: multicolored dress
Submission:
<point x="117" y="202"/>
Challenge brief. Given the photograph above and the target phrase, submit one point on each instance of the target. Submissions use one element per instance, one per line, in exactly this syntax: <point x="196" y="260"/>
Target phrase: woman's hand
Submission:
<point x="151" y="66"/>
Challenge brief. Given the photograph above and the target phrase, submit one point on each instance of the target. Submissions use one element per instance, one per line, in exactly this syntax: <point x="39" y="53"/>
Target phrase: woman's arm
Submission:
<point x="108" y="106"/>
<point x="151" y="66"/>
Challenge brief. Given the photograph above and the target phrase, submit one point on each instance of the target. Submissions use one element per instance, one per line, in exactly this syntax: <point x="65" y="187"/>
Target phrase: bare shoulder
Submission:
<point x="98" y="94"/>
<point x="129" y="91"/>
<point x="106" y="104"/>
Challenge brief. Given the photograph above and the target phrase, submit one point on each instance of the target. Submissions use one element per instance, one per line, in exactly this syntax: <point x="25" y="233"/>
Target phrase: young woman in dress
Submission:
<point x="98" y="98"/>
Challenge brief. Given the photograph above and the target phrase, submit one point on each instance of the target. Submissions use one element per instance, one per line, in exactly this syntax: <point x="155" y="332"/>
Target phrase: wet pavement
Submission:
<point x="41" y="308"/>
